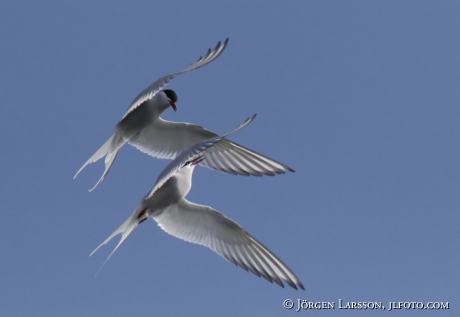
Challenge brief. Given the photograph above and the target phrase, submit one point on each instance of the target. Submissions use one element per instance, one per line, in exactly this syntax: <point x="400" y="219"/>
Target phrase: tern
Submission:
<point x="199" y="224"/>
<point x="143" y="128"/>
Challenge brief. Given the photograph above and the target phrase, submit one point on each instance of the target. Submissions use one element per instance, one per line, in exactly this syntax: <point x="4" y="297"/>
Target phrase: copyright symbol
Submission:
<point x="288" y="304"/>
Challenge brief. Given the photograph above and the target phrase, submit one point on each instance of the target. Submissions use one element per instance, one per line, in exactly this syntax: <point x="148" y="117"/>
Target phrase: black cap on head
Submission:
<point x="171" y="94"/>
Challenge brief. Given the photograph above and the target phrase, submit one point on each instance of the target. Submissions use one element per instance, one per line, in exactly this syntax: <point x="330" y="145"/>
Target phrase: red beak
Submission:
<point x="173" y="105"/>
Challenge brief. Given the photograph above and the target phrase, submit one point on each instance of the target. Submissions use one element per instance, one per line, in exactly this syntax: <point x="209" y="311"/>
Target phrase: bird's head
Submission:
<point x="194" y="161"/>
<point x="172" y="98"/>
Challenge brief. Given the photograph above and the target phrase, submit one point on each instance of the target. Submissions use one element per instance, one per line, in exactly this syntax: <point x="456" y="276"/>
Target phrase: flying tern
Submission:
<point x="199" y="224"/>
<point x="143" y="128"/>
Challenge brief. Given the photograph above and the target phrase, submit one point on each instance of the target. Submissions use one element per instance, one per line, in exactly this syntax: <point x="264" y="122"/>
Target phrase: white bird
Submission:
<point x="199" y="224"/>
<point x="143" y="128"/>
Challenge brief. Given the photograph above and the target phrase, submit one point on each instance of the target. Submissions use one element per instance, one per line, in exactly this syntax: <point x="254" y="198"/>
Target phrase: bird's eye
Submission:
<point x="187" y="163"/>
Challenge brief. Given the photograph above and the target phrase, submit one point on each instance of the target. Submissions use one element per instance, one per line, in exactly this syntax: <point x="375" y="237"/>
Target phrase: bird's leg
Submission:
<point x="197" y="160"/>
<point x="141" y="214"/>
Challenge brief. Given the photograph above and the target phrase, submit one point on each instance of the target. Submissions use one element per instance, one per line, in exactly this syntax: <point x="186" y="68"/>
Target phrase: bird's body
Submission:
<point x="173" y="191"/>
<point x="143" y="128"/>
<point x="199" y="224"/>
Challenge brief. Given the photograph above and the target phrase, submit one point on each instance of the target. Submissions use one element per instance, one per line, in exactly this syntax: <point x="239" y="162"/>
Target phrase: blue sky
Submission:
<point x="359" y="97"/>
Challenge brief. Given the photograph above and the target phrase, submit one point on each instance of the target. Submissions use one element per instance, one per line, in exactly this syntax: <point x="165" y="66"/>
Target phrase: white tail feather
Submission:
<point x="109" y="159"/>
<point x="98" y="155"/>
<point x="110" y="150"/>
<point x="125" y="229"/>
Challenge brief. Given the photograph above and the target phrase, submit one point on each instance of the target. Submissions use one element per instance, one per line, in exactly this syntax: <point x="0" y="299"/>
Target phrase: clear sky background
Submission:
<point x="361" y="98"/>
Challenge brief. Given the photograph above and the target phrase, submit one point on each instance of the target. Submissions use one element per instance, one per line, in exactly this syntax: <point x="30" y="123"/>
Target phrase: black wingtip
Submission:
<point x="217" y="46"/>
<point x="225" y="43"/>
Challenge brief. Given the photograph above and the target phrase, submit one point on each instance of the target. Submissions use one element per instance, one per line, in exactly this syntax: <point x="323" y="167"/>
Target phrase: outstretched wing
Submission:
<point x="167" y="139"/>
<point x="191" y="153"/>
<point x="160" y="83"/>
<point x="203" y="225"/>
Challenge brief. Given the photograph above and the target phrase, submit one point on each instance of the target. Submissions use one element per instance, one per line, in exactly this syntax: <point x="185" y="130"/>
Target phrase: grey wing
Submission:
<point x="203" y="225"/>
<point x="230" y="157"/>
<point x="166" y="139"/>
<point x="160" y="83"/>
<point x="196" y="150"/>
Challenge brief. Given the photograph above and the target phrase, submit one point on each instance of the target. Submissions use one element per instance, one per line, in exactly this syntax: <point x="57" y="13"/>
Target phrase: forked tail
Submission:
<point x="125" y="229"/>
<point x="110" y="150"/>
